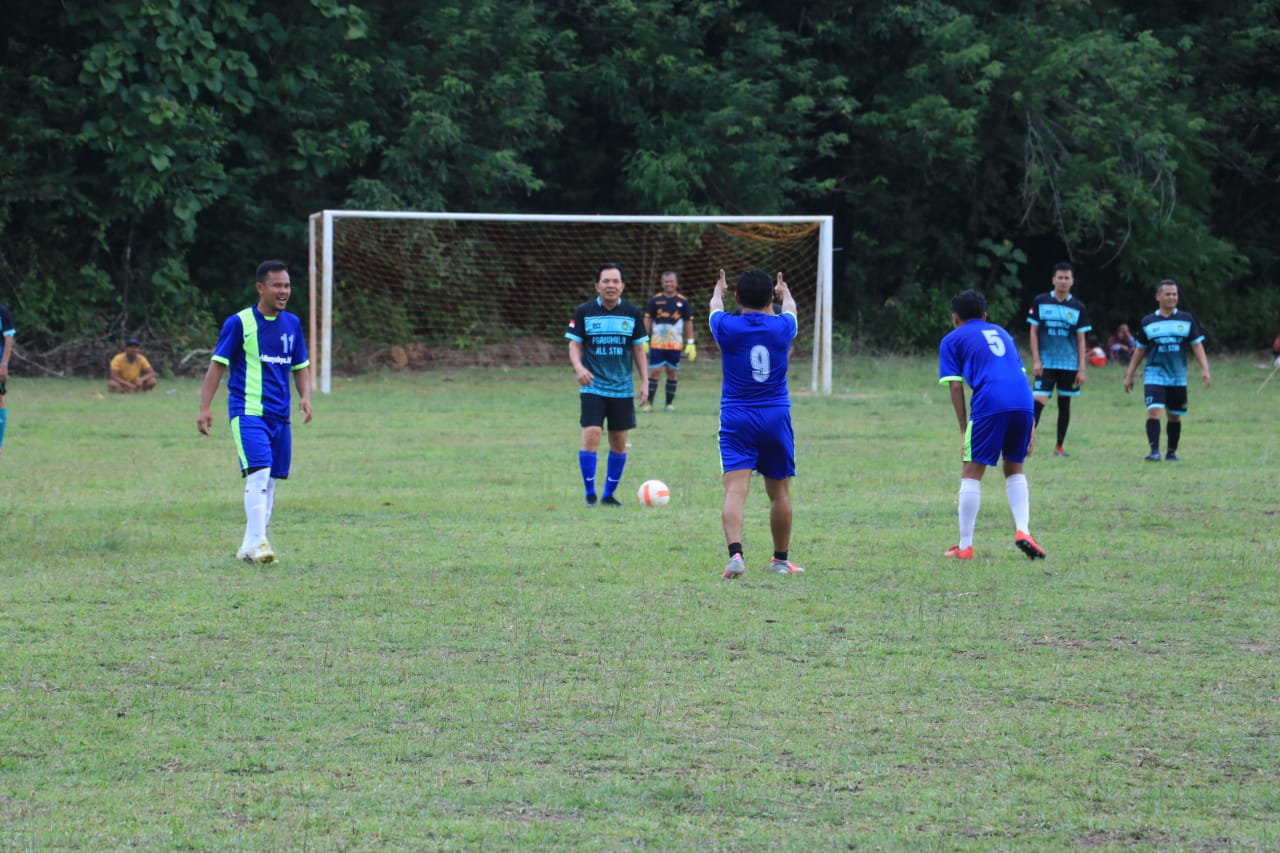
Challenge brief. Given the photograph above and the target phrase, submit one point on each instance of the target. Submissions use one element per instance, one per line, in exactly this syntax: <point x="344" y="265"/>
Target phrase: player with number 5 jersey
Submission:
<point x="999" y="421"/>
<point x="755" y="409"/>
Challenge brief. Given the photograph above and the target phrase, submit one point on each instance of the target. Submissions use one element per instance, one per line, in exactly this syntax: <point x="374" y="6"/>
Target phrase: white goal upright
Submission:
<point x="404" y="288"/>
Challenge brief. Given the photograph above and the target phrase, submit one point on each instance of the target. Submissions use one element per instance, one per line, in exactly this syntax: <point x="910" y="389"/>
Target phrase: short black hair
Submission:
<point x="754" y="289"/>
<point x="267" y="267"/>
<point x="969" y="305"/>
<point x="1164" y="282"/>
<point x="611" y="266"/>
<point x="1062" y="266"/>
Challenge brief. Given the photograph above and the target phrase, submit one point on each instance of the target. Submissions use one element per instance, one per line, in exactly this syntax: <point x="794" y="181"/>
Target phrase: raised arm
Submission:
<point x="783" y="293"/>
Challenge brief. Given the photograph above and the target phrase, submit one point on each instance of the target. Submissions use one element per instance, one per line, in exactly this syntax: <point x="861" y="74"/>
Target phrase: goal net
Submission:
<point x="413" y="290"/>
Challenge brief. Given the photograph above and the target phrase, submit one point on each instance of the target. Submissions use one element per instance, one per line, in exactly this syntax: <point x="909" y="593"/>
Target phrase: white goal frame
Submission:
<point x="321" y="273"/>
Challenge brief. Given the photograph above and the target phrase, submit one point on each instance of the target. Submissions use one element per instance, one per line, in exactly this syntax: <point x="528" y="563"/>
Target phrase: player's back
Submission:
<point x="754" y="352"/>
<point x="986" y="357"/>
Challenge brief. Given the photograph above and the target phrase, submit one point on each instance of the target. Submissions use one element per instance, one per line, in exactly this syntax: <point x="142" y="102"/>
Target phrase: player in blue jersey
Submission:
<point x="606" y="336"/>
<point x="259" y="349"/>
<point x="755" y="409"/>
<point x="1164" y="338"/>
<point x="668" y="320"/>
<point x="1000" y="421"/>
<point x="7" y="331"/>
<point x="1058" y="325"/>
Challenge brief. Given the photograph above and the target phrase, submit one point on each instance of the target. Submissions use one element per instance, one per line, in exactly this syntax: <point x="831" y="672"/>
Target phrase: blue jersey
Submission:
<point x="261" y="354"/>
<point x="607" y="337"/>
<point x="754" y="349"/>
<point x="6" y="322"/>
<point x="1166" y="341"/>
<point x="985" y="356"/>
<point x="1057" y="327"/>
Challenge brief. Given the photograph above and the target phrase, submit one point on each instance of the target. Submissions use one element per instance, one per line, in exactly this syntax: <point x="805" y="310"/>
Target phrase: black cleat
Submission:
<point x="609" y="501"/>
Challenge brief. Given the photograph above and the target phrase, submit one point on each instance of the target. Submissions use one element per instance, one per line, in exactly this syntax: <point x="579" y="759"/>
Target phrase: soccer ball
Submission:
<point x="654" y="493"/>
<point x="1097" y="357"/>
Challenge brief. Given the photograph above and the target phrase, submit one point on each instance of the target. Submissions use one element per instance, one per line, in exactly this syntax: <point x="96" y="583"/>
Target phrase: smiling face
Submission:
<point x="273" y="294"/>
<point x="669" y="284"/>
<point x="610" y="286"/>
<point x="1167" y="297"/>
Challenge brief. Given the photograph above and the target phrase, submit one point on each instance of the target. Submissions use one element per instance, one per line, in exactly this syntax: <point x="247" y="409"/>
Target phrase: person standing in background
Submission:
<point x="668" y="320"/>
<point x="1058" y="325"/>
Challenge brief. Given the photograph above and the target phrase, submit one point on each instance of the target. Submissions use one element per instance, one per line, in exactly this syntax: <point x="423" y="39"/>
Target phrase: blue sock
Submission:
<point x="4" y="422"/>
<point x="617" y="461"/>
<point x="587" y="462"/>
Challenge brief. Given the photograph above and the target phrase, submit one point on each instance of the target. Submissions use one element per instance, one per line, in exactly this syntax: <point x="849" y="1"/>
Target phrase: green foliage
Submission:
<point x="1138" y="141"/>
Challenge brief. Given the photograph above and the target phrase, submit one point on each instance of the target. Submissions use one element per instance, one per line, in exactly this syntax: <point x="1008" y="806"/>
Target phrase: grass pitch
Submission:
<point x="453" y="653"/>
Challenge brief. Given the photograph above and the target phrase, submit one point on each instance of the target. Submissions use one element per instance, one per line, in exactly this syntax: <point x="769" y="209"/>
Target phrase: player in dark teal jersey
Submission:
<point x="7" y="331"/>
<point x="606" y="336"/>
<point x="1164" y="338"/>
<point x="755" y="409"/>
<point x="1000" y="422"/>
<point x="1058" y="325"/>
<point x="260" y="349"/>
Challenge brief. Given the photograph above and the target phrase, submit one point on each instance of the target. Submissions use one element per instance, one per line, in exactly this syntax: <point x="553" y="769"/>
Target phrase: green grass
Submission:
<point x="454" y="654"/>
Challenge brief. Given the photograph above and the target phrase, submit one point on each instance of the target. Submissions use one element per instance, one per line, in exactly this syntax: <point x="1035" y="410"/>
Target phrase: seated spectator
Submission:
<point x="1121" y="345"/>
<point x="1275" y="352"/>
<point x="130" y="370"/>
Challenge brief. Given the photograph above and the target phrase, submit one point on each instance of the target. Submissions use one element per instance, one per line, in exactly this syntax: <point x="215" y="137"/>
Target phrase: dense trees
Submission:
<point x="153" y="150"/>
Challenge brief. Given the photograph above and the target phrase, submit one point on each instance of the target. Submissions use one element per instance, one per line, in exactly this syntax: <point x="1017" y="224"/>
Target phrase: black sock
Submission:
<point x="735" y="548"/>
<point x="1174" y="431"/>
<point x="1153" y="434"/>
<point x="653" y="389"/>
<point x="780" y="556"/>
<point x="671" y="391"/>
<point x="1039" y="409"/>
<point x="1064" y="417"/>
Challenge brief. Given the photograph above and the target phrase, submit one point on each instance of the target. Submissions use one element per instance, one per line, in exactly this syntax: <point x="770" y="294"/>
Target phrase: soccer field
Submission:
<point x="454" y="654"/>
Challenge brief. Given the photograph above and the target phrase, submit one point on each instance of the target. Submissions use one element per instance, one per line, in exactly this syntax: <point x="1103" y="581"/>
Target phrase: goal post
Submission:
<point x="408" y="288"/>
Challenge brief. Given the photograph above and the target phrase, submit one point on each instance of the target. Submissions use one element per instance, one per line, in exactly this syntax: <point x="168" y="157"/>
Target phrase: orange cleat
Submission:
<point x="1029" y="546"/>
<point x="960" y="553"/>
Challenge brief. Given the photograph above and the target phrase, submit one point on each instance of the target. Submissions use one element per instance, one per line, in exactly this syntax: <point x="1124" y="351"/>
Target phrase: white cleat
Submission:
<point x="262" y="554"/>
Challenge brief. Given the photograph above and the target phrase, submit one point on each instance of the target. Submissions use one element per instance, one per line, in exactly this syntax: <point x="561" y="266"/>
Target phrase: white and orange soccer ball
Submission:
<point x="654" y="493"/>
<point x="1097" y="357"/>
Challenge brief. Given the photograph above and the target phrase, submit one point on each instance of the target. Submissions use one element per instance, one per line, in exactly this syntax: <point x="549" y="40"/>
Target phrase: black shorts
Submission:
<point x="1064" y="380"/>
<point x="3" y="390"/>
<point x="620" y="412"/>
<point x="1171" y="398"/>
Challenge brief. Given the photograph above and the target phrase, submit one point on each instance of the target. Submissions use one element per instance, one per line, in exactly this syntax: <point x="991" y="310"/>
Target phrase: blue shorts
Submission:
<point x="664" y="358"/>
<point x="758" y="439"/>
<point x="1004" y="434"/>
<point x="263" y="443"/>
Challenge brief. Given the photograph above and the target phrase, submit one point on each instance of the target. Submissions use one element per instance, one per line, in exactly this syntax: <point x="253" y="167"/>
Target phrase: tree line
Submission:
<point x="155" y="150"/>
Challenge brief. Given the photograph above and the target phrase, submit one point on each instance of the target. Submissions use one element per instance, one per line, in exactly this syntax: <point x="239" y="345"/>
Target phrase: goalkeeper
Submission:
<point x="668" y="318"/>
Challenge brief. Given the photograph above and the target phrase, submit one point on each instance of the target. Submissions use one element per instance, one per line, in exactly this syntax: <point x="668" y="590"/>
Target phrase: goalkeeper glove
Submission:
<point x="646" y="347"/>
<point x="691" y="351"/>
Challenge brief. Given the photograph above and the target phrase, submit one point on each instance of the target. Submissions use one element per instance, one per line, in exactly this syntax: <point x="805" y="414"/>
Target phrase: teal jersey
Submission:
<point x="1057" y="327"/>
<point x="1166" y="341"/>
<point x="607" y="337"/>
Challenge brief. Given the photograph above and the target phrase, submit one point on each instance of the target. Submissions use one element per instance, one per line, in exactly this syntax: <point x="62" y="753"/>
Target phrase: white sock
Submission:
<point x="1019" y="501"/>
<point x="255" y="508"/>
<point x="970" y="502"/>
<point x="271" y="502"/>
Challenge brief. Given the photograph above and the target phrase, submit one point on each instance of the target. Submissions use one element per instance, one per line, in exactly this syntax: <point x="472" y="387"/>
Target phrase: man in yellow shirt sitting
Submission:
<point x="130" y="370"/>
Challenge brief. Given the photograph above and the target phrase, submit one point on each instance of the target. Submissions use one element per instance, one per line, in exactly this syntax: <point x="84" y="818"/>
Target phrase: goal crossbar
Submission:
<point x="321" y="270"/>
